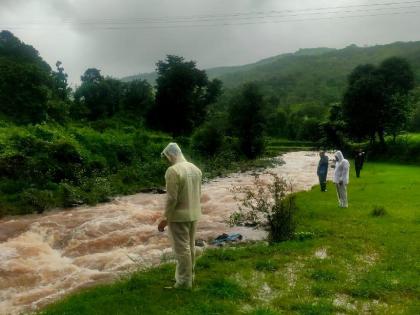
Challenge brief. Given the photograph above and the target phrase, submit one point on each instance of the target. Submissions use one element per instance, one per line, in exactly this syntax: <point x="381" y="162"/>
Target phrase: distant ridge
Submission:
<point x="309" y="75"/>
<point x="218" y="71"/>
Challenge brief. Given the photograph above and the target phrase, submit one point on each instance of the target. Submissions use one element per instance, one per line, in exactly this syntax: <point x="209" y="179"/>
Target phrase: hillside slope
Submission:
<point x="310" y="75"/>
<point x="322" y="77"/>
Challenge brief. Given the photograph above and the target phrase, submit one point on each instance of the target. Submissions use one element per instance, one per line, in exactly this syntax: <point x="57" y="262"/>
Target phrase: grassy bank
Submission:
<point x="357" y="262"/>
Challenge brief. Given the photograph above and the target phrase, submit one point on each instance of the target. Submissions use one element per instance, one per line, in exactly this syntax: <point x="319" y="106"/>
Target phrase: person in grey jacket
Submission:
<point x="322" y="170"/>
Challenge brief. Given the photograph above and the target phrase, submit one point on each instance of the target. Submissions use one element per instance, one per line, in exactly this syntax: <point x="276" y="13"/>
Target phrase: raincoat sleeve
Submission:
<point x="344" y="176"/>
<point x="172" y="185"/>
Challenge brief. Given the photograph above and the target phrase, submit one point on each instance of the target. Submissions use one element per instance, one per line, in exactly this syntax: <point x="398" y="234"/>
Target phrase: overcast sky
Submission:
<point x="126" y="37"/>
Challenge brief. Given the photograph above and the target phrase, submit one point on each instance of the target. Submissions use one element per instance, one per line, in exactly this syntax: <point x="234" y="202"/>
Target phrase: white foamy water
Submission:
<point x="43" y="257"/>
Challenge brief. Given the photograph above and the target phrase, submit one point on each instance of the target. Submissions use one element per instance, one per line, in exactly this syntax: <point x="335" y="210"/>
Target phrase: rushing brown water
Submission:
<point x="43" y="257"/>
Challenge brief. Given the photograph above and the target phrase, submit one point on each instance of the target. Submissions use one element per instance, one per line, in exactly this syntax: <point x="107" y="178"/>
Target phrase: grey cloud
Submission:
<point x="95" y="33"/>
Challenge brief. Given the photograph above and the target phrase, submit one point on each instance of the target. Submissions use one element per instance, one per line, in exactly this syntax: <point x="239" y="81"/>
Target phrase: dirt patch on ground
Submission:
<point x="321" y="253"/>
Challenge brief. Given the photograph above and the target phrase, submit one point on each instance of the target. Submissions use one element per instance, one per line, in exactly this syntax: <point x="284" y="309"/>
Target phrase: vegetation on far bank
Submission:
<point x="47" y="166"/>
<point x="363" y="259"/>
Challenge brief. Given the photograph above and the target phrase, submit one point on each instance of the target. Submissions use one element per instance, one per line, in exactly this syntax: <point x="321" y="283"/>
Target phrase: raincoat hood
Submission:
<point x="173" y="153"/>
<point x="339" y="156"/>
<point x="341" y="172"/>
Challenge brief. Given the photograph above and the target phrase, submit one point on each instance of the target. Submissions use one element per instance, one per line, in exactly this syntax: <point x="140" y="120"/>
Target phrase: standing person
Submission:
<point x="182" y="210"/>
<point x="322" y="170"/>
<point x="341" y="178"/>
<point x="359" y="159"/>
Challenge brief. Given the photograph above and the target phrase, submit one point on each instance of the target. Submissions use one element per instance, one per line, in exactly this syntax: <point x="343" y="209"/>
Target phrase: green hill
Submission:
<point x="319" y="77"/>
<point x="310" y="75"/>
<point x="220" y="72"/>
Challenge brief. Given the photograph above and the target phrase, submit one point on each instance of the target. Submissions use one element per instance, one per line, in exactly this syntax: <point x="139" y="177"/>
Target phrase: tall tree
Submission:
<point x="13" y="48"/>
<point x="25" y="81"/>
<point x="363" y="103"/>
<point x="246" y="119"/>
<point x="137" y="97"/>
<point x="97" y="97"/>
<point x="60" y="81"/>
<point x="92" y="75"/>
<point x="398" y="78"/>
<point x="377" y="99"/>
<point x="183" y="93"/>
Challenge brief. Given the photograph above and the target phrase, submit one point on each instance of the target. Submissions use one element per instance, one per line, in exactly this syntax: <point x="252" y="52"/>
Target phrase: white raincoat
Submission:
<point x="342" y="168"/>
<point x="182" y="210"/>
<point x="341" y="178"/>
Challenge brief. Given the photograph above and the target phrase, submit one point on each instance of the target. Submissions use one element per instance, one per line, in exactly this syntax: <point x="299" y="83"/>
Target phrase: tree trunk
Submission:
<point x="372" y="139"/>
<point x="381" y="137"/>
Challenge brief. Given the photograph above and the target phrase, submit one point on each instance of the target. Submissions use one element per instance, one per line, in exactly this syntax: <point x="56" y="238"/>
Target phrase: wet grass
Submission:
<point x="356" y="263"/>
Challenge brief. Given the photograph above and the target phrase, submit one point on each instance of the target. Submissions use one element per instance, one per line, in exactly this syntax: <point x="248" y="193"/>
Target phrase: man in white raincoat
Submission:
<point x="341" y="178"/>
<point x="183" y="209"/>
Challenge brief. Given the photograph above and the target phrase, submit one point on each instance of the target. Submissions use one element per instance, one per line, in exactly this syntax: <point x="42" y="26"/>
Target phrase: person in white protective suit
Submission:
<point x="182" y="210"/>
<point x="341" y="178"/>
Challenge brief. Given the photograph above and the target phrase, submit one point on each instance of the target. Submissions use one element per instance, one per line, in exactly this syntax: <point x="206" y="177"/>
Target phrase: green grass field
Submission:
<point x="356" y="263"/>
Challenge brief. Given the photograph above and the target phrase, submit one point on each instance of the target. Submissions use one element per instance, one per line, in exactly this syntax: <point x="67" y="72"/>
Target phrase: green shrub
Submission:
<point x="282" y="220"/>
<point x="96" y="166"/>
<point x="378" y="211"/>
<point x="37" y="200"/>
<point x="266" y="206"/>
<point x="207" y="140"/>
<point x="97" y="189"/>
<point x="310" y="130"/>
<point x="69" y="195"/>
<point x="10" y="186"/>
<point x="141" y="142"/>
<point x="404" y="150"/>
